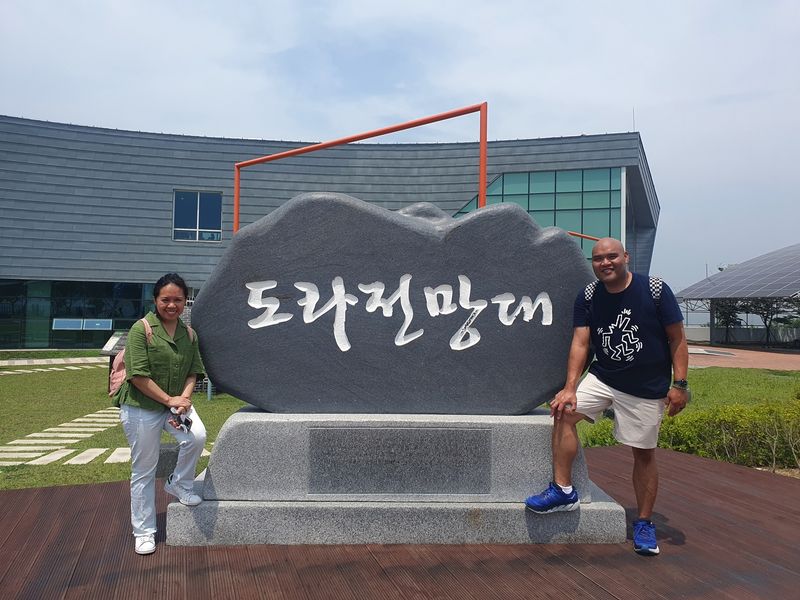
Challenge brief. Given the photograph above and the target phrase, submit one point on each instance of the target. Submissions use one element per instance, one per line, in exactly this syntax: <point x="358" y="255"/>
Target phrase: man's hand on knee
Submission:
<point x="565" y="401"/>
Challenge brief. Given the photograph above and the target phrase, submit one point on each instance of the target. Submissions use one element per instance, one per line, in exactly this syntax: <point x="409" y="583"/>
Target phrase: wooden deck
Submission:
<point x="724" y="531"/>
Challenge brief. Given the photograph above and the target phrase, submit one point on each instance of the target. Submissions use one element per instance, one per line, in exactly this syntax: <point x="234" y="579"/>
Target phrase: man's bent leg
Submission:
<point x="645" y="480"/>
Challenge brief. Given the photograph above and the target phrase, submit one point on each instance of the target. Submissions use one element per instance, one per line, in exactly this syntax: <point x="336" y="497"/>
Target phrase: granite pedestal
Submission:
<point x="344" y="479"/>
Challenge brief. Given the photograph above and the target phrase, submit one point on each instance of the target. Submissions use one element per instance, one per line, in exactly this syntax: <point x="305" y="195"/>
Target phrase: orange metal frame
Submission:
<point x="482" y="108"/>
<point x="583" y="235"/>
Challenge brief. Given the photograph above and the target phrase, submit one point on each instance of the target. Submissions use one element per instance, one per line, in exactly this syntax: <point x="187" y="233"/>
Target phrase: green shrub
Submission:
<point x="765" y="434"/>
<point x="601" y="433"/>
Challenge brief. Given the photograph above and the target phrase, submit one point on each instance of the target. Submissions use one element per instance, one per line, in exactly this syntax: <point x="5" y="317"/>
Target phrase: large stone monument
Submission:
<point x="394" y="361"/>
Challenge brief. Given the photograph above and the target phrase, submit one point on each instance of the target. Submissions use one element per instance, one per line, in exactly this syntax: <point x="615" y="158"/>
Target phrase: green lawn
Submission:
<point x="715" y="385"/>
<point x="32" y="402"/>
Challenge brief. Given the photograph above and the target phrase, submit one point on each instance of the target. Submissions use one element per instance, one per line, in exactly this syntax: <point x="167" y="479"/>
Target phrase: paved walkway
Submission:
<point x="702" y="356"/>
<point x="52" y="444"/>
<point x="31" y="362"/>
<point x="46" y="369"/>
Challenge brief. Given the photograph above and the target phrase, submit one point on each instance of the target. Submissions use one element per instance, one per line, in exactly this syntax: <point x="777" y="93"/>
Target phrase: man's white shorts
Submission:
<point x="636" y="420"/>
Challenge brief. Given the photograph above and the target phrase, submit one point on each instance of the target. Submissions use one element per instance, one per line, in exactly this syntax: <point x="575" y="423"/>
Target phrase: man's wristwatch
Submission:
<point x="681" y="384"/>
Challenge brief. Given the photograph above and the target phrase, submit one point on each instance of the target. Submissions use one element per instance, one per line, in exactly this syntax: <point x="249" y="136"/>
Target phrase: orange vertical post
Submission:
<point x="235" y="198"/>
<point x="482" y="159"/>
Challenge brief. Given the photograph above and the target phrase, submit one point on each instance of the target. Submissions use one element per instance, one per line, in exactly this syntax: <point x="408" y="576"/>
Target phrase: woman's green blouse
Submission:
<point x="167" y="361"/>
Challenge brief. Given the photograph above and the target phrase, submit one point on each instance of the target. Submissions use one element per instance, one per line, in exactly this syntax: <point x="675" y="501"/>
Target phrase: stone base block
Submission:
<point x="271" y="457"/>
<point x="227" y="522"/>
<point x="385" y="479"/>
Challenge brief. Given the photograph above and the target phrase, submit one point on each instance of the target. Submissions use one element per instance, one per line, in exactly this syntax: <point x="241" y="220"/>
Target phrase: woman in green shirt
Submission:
<point x="161" y="372"/>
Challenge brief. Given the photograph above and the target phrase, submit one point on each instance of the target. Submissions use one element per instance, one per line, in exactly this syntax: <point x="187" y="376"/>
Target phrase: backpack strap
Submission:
<point x="148" y="330"/>
<point x="588" y="291"/>
<point x="656" y="283"/>
<point x="190" y="331"/>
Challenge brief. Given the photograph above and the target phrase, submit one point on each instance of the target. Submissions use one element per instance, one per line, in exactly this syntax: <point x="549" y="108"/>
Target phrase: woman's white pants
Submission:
<point x="143" y="429"/>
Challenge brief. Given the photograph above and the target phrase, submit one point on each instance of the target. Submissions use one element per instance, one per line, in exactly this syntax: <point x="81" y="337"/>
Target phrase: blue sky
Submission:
<point x="714" y="86"/>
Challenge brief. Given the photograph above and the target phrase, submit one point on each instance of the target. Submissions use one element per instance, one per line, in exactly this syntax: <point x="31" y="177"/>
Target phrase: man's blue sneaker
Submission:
<point x="644" y="538"/>
<point x="553" y="499"/>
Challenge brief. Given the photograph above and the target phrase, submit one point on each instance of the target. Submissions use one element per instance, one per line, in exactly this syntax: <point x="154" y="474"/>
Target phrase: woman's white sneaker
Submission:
<point x="145" y="544"/>
<point x="184" y="497"/>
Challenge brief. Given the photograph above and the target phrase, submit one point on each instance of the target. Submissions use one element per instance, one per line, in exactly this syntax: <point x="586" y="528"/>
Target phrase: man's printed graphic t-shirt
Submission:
<point x="627" y="331"/>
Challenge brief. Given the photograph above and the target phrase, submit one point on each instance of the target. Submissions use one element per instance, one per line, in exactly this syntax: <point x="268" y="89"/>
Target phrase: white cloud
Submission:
<point x="714" y="85"/>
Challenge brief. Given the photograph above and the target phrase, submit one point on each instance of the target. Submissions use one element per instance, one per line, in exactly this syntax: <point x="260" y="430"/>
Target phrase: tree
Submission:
<point x="726" y="314"/>
<point x="771" y="310"/>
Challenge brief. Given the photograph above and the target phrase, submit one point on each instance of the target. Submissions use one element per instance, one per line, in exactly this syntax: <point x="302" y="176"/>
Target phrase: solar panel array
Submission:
<point x="772" y="275"/>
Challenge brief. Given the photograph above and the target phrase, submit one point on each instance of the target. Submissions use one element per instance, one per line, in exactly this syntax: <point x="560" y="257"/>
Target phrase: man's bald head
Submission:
<point x="610" y="263"/>
<point x="608" y="244"/>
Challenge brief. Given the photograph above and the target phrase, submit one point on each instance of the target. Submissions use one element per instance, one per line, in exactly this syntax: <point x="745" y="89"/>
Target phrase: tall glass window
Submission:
<point x="584" y="201"/>
<point x="197" y="216"/>
<point x="68" y="314"/>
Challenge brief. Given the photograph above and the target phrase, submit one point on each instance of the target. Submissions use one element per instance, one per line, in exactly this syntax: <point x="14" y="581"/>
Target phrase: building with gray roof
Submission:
<point x="772" y="275"/>
<point x="91" y="217"/>
<point x="767" y="286"/>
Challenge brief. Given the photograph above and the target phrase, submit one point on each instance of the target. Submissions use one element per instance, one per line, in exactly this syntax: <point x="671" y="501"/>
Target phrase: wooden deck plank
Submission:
<point x="75" y="542"/>
<point x="728" y="553"/>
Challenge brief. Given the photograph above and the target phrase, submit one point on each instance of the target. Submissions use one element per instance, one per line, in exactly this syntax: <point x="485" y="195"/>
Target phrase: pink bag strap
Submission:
<point x="148" y="331"/>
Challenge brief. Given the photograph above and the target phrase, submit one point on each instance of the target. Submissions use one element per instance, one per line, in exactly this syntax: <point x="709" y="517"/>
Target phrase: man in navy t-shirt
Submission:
<point x="635" y="327"/>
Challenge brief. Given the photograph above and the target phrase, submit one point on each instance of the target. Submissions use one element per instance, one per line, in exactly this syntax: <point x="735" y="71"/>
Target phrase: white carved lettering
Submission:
<point x="431" y="300"/>
<point x="438" y="301"/>
<point x="376" y="301"/>
<point x="338" y="301"/>
<point x="526" y="307"/>
<point x="271" y="316"/>
<point x="467" y="336"/>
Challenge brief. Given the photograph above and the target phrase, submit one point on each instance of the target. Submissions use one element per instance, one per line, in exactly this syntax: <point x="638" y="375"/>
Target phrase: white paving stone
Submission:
<point x="205" y="453"/>
<point x="73" y="368"/>
<point x="89" y="424"/>
<point x="86" y="456"/>
<point x="29" y="448"/>
<point x="56" y="436"/>
<point x="119" y="455"/>
<point x="96" y="420"/>
<point x="4" y="455"/>
<point x="52" y="457"/>
<point x="57" y="443"/>
<point x="11" y="463"/>
<point x="57" y="369"/>
<point x="23" y="371"/>
<point x="79" y="430"/>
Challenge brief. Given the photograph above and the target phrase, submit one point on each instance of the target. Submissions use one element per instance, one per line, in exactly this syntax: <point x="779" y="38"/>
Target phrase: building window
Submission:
<point x="197" y="216"/>
<point x="586" y="201"/>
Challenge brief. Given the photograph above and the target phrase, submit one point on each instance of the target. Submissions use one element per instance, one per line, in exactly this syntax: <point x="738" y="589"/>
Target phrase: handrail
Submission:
<point x="482" y="108"/>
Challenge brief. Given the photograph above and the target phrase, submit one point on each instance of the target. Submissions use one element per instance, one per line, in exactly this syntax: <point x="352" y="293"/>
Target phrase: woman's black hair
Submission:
<point x="173" y="278"/>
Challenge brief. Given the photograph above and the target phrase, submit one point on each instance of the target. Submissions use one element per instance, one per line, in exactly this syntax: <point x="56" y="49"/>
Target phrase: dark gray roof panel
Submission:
<point x="772" y="275"/>
<point x="89" y="203"/>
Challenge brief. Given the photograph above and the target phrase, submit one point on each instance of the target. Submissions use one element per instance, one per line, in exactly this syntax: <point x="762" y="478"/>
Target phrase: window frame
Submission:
<point x="197" y="229"/>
